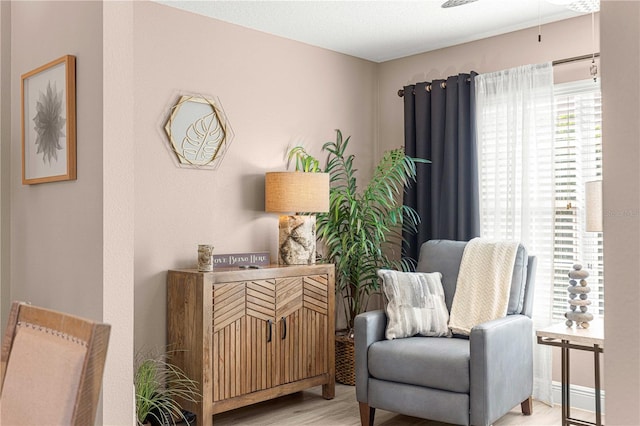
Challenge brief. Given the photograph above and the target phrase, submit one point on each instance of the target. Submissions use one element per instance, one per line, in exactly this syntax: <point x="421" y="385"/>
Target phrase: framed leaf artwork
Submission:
<point x="198" y="131"/>
<point x="49" y="122"/>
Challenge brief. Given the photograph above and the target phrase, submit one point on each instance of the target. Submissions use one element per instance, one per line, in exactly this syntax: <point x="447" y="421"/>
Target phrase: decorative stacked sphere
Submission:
<point x="578" y="295"/>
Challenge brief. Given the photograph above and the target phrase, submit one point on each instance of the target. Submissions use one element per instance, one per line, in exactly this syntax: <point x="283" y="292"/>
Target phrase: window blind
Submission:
<point x="577" y="160"/>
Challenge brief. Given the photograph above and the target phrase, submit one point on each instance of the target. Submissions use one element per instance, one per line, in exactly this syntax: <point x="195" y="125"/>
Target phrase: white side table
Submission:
<point x="566" y="338"/>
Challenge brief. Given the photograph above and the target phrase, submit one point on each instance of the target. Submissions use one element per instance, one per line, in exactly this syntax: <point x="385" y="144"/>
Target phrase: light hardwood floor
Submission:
<point x="309" y="408"/>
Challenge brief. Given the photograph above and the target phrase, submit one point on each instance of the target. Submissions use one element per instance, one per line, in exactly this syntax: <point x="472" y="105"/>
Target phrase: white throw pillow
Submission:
<point x="415" y="304"/>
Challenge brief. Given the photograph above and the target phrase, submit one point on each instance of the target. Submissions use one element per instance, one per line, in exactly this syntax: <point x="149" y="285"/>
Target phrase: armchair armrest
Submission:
<point x="501" y="367"/>
<point x="369" y="328"/>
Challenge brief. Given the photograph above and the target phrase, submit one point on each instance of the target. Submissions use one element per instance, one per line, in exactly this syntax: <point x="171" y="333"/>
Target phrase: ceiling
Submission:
<point x="381" y="30"/>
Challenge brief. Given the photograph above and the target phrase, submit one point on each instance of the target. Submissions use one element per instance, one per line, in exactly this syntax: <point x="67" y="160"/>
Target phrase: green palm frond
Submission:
<point x="362" y="228"/>
<point x="304" y="162"/>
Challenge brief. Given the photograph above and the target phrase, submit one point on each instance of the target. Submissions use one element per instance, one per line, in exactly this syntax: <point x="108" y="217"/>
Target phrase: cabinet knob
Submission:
<point x="269" y="332"/>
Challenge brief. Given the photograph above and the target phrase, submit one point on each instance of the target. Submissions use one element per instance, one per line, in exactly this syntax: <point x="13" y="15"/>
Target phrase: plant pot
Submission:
<point x="188" y="415"/>
<point x="345" y="360"/>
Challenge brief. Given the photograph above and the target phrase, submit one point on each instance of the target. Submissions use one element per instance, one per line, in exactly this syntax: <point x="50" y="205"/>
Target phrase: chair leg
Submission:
<point x="527" y="406"/>
<point x="366" y="414"/>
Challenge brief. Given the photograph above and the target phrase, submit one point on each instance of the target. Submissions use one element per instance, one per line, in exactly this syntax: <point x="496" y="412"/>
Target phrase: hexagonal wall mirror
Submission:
<point x="199" y="132"/>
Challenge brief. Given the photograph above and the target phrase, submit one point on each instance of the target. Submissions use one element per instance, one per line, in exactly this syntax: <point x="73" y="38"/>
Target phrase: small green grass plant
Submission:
<point x="160" y="386"/>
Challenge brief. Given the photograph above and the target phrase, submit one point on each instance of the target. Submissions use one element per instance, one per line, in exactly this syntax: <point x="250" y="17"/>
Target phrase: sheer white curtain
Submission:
<point x="514" y="110"/>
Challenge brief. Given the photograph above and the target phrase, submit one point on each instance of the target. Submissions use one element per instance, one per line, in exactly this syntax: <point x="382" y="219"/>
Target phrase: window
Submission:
<point x="577" y="160"/>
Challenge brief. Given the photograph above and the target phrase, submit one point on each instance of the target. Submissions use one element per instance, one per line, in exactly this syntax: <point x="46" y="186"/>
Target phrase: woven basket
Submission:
<point x="345" y="361"/>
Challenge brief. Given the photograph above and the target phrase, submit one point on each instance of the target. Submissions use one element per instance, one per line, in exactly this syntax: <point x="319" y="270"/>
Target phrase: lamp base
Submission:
<point x="297" y="240"/>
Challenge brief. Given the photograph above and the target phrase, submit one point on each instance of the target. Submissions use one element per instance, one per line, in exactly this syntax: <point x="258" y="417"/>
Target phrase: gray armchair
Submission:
<point x="460" y="380"/>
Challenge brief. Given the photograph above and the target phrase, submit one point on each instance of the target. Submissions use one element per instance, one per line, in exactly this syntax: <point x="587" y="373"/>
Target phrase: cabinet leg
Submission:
<point x="329" y="390"/>
<point x="204" y="417"/>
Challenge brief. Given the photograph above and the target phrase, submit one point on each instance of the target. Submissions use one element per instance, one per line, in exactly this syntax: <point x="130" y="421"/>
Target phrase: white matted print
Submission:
<point x="49" y="122"/>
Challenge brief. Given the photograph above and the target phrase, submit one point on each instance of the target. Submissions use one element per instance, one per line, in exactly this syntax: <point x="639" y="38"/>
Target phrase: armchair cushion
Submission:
<point x="439" y="362"/>
<point x="415" y="304"/>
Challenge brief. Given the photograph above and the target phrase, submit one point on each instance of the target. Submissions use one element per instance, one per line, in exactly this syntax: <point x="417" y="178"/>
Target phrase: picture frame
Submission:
<point x="198" y="131"/>
<point x="48" y="119"/>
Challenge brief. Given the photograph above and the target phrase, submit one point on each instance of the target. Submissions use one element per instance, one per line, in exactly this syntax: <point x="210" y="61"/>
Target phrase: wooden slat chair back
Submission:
<point x="52" y="365"/>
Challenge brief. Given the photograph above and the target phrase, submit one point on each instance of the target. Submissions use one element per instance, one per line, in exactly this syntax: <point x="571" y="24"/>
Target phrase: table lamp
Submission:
<point x="297" y="192"/>
<point x="593" y="201"/>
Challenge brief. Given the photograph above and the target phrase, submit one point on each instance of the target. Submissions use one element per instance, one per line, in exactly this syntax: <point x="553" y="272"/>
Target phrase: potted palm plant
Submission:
<point x="362" y="231"/>
<point x="159" y="386"/>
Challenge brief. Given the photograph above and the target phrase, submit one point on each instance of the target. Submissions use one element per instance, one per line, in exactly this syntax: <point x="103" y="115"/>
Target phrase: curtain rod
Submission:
<point x="554" y="63"/>
<point x="428" y="87"/>
<point x="575" y="59"/>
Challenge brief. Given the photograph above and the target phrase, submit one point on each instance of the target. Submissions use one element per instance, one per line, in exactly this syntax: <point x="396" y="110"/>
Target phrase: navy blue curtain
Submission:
<point x="439" y="125"/>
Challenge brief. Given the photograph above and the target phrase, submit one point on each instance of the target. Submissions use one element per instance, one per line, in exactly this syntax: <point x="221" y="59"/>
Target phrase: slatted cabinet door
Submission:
<point x="244" y="332"/>
<point x="301" y="312"/>
<point x="316" y="325"/>
<point x="288" y="317"/>
<point x="230" y="332"/>
<point x="261" y="335"/>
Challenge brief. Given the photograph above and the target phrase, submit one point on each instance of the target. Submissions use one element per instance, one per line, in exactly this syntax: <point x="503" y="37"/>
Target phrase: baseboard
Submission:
<point x="581" y="397"/>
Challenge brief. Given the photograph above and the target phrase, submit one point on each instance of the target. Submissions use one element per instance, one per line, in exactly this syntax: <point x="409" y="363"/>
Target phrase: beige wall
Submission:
<point x="275" y="92"/>
<point x="56" y="228"/>
<point x="560" y="40"/>
<point x="118" y="210"/>
<point x="5" y="155"/>
<point x="52" y="233"/>
<point x="621" y="190"/>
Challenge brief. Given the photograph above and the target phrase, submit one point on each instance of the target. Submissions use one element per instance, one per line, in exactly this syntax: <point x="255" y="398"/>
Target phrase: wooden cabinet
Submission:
<point x="250" y="335"/>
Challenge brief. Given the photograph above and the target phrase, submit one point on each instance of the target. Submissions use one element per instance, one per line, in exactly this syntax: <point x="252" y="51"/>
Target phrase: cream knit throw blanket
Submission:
<point x="484" y="281"/>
